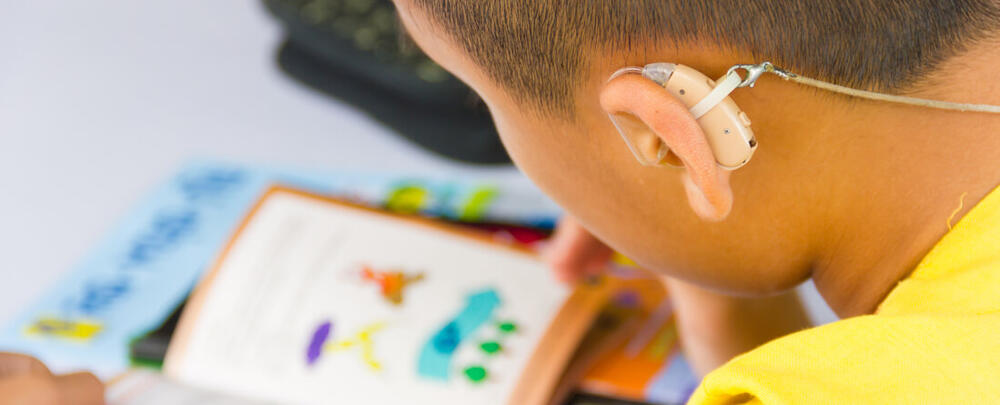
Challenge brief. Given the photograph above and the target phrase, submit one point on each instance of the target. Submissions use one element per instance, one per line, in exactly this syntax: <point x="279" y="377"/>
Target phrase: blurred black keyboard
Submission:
<point x="355" y="50"/>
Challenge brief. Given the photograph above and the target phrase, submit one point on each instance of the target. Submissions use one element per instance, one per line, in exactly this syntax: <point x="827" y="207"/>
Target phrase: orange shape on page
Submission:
<point x="630" y="375"/>
<point x="391" y="283"/>
<point x="627" y="373"/>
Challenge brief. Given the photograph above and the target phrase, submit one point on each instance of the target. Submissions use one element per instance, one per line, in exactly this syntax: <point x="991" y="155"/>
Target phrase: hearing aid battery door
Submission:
<point x="726" y="127"/>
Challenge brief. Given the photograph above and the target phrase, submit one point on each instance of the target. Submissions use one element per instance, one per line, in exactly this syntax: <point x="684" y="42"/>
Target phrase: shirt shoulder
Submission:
<point x="916" y="358"/>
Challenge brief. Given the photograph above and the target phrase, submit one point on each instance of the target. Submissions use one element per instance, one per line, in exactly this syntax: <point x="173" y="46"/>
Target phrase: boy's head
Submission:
<point x="542" y="65"/>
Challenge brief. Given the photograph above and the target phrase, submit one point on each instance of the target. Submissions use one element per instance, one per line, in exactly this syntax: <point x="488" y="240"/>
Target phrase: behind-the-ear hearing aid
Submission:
<point x="726" y="127"/>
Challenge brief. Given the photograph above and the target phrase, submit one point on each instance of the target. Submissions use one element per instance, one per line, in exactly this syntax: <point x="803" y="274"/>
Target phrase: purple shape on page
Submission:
<point x="316" y="344"/>
<point x="627" y="299"/>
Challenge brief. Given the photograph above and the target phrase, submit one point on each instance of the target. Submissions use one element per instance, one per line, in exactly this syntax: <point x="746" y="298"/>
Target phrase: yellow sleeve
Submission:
<point x="877" y="359"/>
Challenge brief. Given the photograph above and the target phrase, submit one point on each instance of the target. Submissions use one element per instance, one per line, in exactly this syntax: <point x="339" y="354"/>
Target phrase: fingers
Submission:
<point x="28" y="389"/>
<point x="70" y="389"/>
<point x="26" y="380"/>
<point x="16" y="364"/>
<point x="574" y="253"/>
<point x="80" y="389"/>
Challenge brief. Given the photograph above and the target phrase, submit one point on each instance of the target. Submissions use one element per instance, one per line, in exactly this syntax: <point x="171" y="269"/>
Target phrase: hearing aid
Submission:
<point x="726" y="127"/>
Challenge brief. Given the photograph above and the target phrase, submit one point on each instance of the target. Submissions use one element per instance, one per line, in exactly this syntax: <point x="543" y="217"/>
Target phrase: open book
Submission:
<point x="319" y="301"/>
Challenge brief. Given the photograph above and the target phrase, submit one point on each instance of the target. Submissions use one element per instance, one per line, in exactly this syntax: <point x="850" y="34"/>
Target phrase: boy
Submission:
<point x="862" y="197"/>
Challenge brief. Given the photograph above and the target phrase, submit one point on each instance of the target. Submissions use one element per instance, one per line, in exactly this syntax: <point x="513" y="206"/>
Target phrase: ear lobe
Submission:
<point x="713" y="207"/>
<point x="661" y="117"/>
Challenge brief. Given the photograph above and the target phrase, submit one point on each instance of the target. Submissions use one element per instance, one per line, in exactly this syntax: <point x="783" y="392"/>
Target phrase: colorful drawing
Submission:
<point x="435" y="361"/>
<point x="646" y="364"/>
<point x="490" y="347"/>
<point x="362" y="340"/>
<point x="476" y="373"/>
<point x="507" y="327"/>
<point x="408" y="199"/>
<point x="436" y="356"/>
<point x="391" y="283"/>
<point x="77" y="330"/>
<point x="477" y="204"/>
<point x="664" y="342"/>
<point x="660" y="317"/>
<point x="319" y="337"/>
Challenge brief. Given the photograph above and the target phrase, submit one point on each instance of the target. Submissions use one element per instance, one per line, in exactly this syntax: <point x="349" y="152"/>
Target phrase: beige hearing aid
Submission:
<point x="726" y="128"/>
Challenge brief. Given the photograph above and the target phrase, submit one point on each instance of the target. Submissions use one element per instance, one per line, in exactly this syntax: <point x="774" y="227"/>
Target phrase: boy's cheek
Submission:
<point x="585" y="174"/>
<point x="555" y="156"/>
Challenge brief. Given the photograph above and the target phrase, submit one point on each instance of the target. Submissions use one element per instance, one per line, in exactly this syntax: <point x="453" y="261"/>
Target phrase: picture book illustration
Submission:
<point x="476" y="324"/>
<point x="146" y="264"/>
<point x="437" y="355"/>
<point x="362" y="342"/>
<point x="76" y="330"/>
<point x="316" y="300"/>
<point x="391" y="283"/>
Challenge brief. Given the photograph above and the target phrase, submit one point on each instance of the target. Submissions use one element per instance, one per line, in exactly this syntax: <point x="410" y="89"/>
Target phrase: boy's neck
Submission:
<point x="894" y="175"/>
<point x="874" y="183"/>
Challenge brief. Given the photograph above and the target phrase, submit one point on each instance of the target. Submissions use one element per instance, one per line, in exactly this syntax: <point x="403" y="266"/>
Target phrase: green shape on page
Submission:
<point x="507" y="327"/>
<point x="490" y="347"/>
<point x="476" y="374"/>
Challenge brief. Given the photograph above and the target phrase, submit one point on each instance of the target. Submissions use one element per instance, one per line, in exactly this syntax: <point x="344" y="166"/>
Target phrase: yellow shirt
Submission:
<point x="935" y="338"/>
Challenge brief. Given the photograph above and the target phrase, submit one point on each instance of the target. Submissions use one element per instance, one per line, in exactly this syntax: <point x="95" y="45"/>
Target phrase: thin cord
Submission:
<point x="754" y="71"/>
<point x="922" y="102"/>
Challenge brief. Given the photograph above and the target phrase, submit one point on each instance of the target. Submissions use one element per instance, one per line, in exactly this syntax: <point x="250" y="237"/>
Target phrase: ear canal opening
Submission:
<point x="646" y="146"/>
<point x="668" y="157"/>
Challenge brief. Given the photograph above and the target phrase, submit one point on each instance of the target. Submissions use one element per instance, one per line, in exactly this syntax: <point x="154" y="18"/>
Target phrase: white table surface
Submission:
<point x="102" y="99"/>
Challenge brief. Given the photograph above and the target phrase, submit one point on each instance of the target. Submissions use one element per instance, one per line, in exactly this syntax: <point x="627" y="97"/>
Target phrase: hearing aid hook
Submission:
<point x="755" y="71"/>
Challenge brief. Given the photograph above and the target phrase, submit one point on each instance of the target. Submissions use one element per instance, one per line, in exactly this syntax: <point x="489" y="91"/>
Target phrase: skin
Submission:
<point x="846" y="192"/>
<point x="26" y="381"/>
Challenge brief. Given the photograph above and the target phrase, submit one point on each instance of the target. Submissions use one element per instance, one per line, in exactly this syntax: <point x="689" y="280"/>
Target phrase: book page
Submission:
<point x="140" y="387"/>
<point x="321" y="302"/>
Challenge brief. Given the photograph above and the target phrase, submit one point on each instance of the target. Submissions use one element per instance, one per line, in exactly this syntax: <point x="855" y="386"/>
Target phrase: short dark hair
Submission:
<point x="537" y="49"/>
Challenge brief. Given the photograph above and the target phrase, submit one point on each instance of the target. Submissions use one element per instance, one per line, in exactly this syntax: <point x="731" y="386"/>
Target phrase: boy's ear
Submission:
<point x="659" y="118"/>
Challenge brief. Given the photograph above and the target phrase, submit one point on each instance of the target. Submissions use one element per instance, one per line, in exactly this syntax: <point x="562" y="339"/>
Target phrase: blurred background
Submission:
<point x="101" y="101"/>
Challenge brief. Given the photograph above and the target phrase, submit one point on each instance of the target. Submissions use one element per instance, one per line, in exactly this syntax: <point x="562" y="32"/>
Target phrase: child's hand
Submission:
<point x="574" y="253"/>
<point x="25" y="380"/>
<point x="715" y="327"/>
